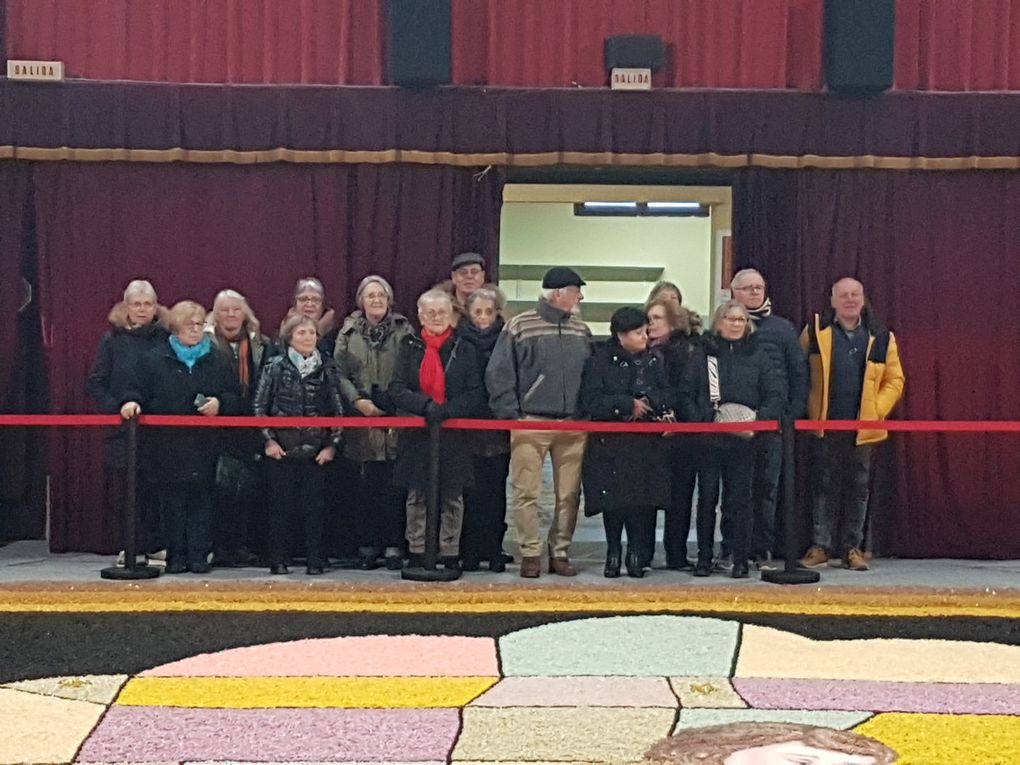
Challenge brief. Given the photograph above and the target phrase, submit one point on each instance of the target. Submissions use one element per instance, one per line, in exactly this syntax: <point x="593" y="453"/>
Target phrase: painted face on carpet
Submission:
<point x="598" y="690"/>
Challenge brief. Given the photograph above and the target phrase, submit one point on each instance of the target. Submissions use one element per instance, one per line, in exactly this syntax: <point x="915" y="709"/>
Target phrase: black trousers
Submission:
<point x="686" y="460"/>
<point x="732" y="464"/>
<point x="380" y="516"/>
<point x="149" y="536"/>
<point x="485" y="509"/>
<point x="187" y="521"/>
<point x="297" y="489"/>
<point x="636" y="521"/>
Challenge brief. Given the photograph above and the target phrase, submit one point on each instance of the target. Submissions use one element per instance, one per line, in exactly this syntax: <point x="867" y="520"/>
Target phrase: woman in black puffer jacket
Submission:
<point x="729" y="368"/>
<point x="301" y="383"/>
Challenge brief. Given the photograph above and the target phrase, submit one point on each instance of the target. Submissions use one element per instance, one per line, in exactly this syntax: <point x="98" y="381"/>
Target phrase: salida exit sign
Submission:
<point x="35" y="70"/>
<point x="630" y="79"/>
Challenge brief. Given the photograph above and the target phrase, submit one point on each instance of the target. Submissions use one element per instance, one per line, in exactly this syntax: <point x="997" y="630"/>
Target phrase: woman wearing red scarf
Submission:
<point x="437" y="377"/>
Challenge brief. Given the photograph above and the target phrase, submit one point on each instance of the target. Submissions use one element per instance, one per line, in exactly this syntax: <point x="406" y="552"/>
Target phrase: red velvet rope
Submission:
<point x="107" y="420"/>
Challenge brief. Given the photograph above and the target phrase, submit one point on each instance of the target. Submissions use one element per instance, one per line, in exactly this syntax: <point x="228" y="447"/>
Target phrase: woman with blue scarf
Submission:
<point x="184" y="377"/>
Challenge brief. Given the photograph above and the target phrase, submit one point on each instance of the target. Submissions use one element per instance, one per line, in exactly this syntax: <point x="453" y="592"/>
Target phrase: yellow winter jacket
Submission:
<point x="883" y="376"/>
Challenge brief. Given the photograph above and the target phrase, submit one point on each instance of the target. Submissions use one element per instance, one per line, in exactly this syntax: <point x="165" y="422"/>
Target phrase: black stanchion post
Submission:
<point x="790" y="574"/>
<point x="429" y="572"/>
<point x="130" y="570"/>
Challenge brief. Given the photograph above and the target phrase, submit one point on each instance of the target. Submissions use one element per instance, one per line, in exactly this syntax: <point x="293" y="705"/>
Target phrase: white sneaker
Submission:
<point x="140" y="560"/>
<point x="723" y="563"/>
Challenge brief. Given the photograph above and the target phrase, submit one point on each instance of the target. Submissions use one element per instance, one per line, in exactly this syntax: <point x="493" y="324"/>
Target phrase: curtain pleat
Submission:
<point x="228" y="41"/>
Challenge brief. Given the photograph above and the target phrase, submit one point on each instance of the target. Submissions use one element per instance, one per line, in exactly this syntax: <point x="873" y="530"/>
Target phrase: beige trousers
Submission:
<point x="451" y="518"/>
<point x="528" y="449"/>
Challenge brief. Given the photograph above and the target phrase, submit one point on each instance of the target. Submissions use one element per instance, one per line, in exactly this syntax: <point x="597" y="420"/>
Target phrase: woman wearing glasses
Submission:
<point x="731" y="378"/>
<point x="437" y="377"/>
<point x="310" y="301"/>
<point x="184" y="376"/>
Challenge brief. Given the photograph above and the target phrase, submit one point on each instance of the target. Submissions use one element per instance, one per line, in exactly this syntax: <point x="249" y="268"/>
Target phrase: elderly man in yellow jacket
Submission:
<point x="855" y="375"/>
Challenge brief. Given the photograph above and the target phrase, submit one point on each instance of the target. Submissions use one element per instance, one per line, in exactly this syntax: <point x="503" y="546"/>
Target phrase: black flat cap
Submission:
<point x="467" y="259"/>
<point x="559" y="277"/>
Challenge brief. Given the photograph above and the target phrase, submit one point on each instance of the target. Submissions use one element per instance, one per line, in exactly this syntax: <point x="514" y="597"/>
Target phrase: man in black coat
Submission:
<point x="780" y="339"/>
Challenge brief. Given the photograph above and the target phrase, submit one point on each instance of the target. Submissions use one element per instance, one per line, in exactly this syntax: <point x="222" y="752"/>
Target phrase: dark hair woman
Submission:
<point x="673" y="333"/>
<point x="437" y="377"/>
<point x="138" y="324"/>
<point x="366" y="351"/>
<point x="625" y="474"/>
<point x="730" y="372"/>
<point x="485" y="502"/>
<point x="184" y="376"/>
<point x="301" y="383"/>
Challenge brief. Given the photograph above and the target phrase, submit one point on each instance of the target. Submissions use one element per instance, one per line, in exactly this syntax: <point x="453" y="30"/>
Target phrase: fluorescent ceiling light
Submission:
<point x="674" y="205"/>
<point x="611" y="205"/>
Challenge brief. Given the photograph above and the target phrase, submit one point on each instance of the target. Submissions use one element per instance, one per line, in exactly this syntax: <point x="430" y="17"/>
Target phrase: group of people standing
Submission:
<point x="202" y="488"/>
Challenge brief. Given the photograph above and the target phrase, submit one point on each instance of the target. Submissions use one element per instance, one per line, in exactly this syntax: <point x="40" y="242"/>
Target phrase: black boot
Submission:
<point x="613" y="525"/>
<point x="704" y="566"/>
<point x="637" y="556"/>
<point x="635" y="563"/>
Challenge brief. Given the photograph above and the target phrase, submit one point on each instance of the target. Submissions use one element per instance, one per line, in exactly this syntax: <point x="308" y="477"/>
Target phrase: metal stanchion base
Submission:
<point x="791" y="576"/>
<point x="138" y="572"/>
<point x="430" y="574"/>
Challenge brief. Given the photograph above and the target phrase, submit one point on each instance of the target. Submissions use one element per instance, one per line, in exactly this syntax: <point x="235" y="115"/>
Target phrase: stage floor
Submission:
<point x="31" y="562"/>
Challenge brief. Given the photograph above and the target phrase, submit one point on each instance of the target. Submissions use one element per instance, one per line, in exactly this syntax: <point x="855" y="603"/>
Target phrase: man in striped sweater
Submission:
<point x="535" y="374"/>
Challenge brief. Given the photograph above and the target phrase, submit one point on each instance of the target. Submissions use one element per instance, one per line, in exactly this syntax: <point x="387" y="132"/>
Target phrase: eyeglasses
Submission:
<point x="437" y="314"/>
<point x="751" y="288"/>
<point x="470" y="271"/>
<point x="309" y="299"/>
<point x="735" y="319"/>
<point x="194" y="325"/>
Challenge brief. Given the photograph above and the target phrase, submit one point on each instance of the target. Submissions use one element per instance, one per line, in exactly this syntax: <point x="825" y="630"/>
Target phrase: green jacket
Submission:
<point x="367" y="372"/>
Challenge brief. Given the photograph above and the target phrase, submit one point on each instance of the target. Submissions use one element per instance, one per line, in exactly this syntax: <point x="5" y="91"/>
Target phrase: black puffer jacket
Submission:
<point x="748" y="375"/>
<point x="283" y="393"/>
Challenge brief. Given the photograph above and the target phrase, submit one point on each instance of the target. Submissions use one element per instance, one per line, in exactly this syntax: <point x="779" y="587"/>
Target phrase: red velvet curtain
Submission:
<point x="934" y="251"/>
<point x="15" y="197"/>
<point x="195" y="230"/>
<point x="958" y="45"/>
<point x="711" y="43"/>
<point x="236" y="41"/>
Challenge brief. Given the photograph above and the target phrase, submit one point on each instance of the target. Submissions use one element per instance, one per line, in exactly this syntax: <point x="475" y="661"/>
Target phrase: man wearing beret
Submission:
<point x="467" y="275"/>
<point x="535" y="374"/>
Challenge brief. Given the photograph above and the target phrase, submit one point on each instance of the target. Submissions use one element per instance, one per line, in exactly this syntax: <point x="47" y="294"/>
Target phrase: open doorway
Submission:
<point x="622" y="239"/>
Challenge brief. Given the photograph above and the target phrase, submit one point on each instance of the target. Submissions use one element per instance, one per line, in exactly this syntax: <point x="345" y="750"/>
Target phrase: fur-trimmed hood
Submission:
<point x="118" y="316"/>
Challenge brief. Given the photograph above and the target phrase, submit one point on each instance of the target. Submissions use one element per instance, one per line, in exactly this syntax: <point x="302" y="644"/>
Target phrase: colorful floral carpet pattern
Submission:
<point x="552" y="687"/>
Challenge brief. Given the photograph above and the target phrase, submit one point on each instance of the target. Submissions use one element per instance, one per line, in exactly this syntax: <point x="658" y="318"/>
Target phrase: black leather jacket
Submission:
<point x="282" y="393"/>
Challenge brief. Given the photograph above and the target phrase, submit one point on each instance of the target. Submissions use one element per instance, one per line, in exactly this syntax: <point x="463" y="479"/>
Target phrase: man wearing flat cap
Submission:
<point x="467" y="275"/>
<point x="535" y="374"/>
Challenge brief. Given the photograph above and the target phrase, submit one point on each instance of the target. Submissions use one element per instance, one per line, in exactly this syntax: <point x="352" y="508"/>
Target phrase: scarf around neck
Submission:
<point x="376" y="335"/>
<point x="190" y="354"/>
<point x="432" y="375"/>
<point x="305" y="366"/>
<point x="759" y="313"/>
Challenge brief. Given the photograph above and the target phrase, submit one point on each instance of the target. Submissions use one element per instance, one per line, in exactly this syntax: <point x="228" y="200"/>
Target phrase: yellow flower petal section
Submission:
<point x="928" y="739"/>
<point x="273" y="692"/>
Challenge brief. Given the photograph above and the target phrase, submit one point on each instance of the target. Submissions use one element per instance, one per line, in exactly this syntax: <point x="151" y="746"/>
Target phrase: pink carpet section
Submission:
<point x="147" y="734"/>
<point x="579" y="692"/>
<point x="935" y="698"/>
<point x="376" y="655"/>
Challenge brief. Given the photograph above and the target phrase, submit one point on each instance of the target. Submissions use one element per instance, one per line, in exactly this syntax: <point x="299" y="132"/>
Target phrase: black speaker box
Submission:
<point x="419" y="43"/>
<point x="859" y="42"/>
<point x="635" y="51"/>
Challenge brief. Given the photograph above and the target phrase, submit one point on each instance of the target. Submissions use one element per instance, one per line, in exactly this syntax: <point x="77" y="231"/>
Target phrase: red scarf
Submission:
<point x="432" y="376"/>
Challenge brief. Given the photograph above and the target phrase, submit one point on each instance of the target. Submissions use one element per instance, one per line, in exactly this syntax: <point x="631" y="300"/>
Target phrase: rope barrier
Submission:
<point x="191" y="421"/>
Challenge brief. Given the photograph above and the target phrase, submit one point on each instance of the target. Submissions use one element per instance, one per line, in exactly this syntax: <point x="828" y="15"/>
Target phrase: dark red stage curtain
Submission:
<point x="195" y="230"/>
<point x="15" y="196"/>
<point x="936" y="253"/>
<point x="711" y="43"/>
<point x="957" y="45"/>
<point x="235" y="41"/>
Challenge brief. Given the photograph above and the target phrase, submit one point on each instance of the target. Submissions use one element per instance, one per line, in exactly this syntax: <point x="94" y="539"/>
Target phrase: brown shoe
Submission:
<point x="814" y="557"/>
<point x="531" y="566"/>
<point x="855" y="560"/>
<point x="562" y="567"/>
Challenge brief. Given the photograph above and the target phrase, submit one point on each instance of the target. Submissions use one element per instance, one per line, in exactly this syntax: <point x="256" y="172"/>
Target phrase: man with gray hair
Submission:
<point x="779" y="338"/>
<point x="535" y="374"/>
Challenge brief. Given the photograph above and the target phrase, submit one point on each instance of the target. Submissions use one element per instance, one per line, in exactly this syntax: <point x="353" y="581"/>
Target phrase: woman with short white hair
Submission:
<point x="437" y="377"/>
<point x="366" y="351"/>
<point x="138" y="323"/>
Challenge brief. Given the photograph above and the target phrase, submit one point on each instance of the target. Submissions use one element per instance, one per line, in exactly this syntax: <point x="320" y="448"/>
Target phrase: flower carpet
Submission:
<point x="128" y="675"/>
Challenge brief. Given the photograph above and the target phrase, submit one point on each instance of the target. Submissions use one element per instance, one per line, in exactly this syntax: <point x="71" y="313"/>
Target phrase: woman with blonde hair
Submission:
<point x="186" y="377"/>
